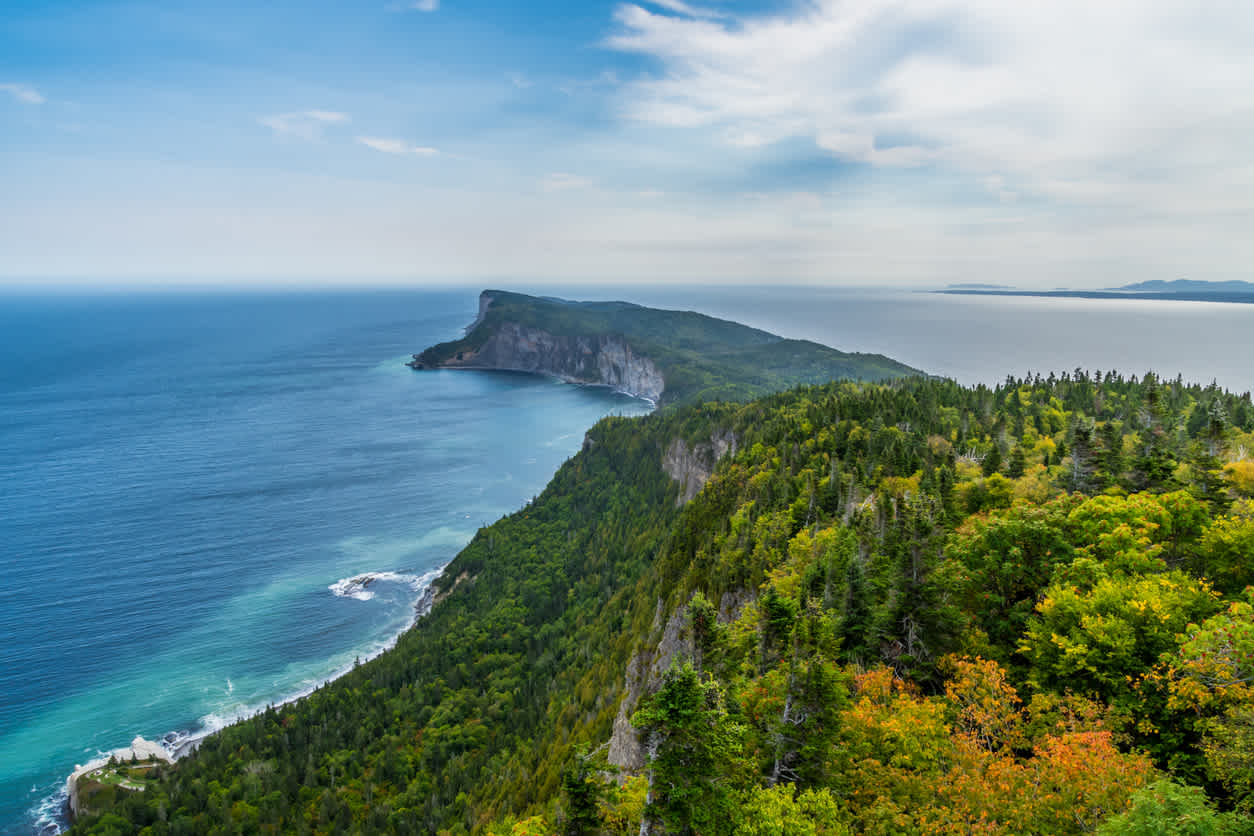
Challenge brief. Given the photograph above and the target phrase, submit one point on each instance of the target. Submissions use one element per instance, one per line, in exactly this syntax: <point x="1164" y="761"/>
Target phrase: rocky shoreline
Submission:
<point x="177" y="745"/>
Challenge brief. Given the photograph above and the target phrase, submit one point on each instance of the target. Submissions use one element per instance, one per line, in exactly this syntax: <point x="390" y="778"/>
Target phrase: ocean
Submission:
<point x="192" y="481"/>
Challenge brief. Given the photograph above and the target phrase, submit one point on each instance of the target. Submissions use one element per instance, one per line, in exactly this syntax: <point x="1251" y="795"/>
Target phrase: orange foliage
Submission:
<point x="987" y="704"/>
<point x="904" y="759"/>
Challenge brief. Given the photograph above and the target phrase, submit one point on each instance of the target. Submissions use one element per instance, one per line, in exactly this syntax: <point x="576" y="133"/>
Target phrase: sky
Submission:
<point x="1035" y="143"/>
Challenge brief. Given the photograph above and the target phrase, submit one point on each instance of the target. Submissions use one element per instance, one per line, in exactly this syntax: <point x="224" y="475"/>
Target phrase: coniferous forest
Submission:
<point x="900" y="608"/>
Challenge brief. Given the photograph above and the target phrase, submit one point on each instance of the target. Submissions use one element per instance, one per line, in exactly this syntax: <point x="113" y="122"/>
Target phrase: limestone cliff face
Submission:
<point x="644" y="675"/>
<point x="604" y="360"/>
<point x="692" y="466"/>
<point x="647" y="667"/>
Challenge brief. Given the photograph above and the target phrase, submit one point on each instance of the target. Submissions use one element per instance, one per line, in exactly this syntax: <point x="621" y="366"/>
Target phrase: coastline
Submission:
<point x="175" y="745"/>
<point x="361" y="458"/>
<point x="1160" y="296"/>
<point x="551" y="375"/>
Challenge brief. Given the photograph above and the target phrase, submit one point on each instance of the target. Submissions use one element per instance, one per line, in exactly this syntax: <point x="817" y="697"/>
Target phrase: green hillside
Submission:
<point x="700" y="357"/>
<point x="910" y="607"/>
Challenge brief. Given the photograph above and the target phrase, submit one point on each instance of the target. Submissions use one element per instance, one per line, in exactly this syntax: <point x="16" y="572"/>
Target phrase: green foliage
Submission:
<point x="782" y="811"/>
<point x="1226" y="554"/>
<point x="707" y="633"/>
<point x="694" y="754"/>
<point x="1096" y="640"/>
<point x="1166" y="808"/>
<point x="864" y="653"/>
<point x="582" y="790"/>
<point x="1229" y="748"/>
<point x="999" y="562"/>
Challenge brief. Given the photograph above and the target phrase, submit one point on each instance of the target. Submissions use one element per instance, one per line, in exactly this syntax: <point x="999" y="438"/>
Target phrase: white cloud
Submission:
<point x="518" y="80"/>
<point x="396" y="146"/>
<point x="1112" y="103"/>
<point x="23" y="93"/>
<point x="426" y="5"/>
<point x="305" y="124"/>
<point x="562" y="182"/>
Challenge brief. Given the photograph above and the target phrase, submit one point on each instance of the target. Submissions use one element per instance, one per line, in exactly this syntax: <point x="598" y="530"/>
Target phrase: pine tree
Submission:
<point x="582" y="789"/>
<point x="1110" y="456"/>
<point x="1018" y="463"/>
<point x="1080" y="477"/>
<point x="694" y="755"/>
<point x="992" y="460"/>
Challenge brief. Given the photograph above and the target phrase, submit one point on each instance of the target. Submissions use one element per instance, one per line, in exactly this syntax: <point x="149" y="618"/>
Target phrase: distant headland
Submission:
<point x="667" y="357"/>
<point x="1179" y="290"/>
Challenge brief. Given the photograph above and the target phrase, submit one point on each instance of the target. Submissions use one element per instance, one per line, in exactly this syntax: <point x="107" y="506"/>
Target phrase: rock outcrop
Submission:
<point x="644" y="675"/>
<point x="692" y="466"/>
<point x="140" y="751"/>
<point x="647" y="667"/>
<point x="605" y="360"/>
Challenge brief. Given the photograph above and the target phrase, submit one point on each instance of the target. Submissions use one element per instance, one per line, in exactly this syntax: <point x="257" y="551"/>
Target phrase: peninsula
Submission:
<point x="668" y="357"/>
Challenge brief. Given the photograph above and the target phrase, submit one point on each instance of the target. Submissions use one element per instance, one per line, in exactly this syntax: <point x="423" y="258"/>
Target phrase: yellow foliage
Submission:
<point x="901" y="486"/>
<point x="890" y="725"/>
<point x="1240" y="476"/>
<point x="987" y="705"/>
<point x="939" y="446"/>
<point x="968" y="471"/>
<point x="623" y="806"/>
<point x="534" y="826"/>
<point x="1035" y="485"/>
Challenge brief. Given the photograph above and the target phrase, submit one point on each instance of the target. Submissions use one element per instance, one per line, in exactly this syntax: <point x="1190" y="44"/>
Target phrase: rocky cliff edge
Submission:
<point x="602" y="360"/>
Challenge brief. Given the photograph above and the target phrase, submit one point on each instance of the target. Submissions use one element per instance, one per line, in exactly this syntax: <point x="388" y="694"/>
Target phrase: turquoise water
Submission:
<point x="187" y="477"/>
<point x="188" y="481"/>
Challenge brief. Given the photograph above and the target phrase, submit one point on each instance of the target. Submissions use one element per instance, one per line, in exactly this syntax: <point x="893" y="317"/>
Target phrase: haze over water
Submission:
<point x="187" y="477"/>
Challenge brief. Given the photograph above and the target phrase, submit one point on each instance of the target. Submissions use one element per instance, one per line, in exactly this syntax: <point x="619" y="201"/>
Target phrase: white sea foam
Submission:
<point x="358" y="586"/>
<point x="49" y="815"/>
<point x="216" y="721"/>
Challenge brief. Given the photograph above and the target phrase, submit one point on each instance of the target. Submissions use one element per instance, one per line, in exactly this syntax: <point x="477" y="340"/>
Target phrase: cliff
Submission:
<point x="665" y="356"/>
<point x="692" y="465"/>
<point x="597" y="360"/>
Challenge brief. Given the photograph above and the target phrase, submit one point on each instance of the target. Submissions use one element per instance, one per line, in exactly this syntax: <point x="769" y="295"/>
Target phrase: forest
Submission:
<point x="909" y="607"/>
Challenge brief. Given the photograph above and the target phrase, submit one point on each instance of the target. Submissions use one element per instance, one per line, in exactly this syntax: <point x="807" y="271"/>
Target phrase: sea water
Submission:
<point x="213" y="502"/>
<point x="195" y="490"/>
<point x="983" y="339"/>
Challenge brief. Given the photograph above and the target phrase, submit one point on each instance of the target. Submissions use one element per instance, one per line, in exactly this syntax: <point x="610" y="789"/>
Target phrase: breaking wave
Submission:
<point x="358" y="586"/>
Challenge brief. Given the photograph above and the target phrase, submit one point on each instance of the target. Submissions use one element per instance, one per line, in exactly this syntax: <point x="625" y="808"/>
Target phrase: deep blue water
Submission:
<point x="184" y="478"/>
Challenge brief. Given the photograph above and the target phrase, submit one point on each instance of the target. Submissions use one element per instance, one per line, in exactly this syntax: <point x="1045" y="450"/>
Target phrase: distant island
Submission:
<point x="668" y="357"/>
<point x="1179" y="290"/>
<point x="1188" y="286"/>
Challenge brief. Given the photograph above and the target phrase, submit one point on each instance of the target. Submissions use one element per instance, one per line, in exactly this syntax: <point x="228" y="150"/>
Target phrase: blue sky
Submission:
<point x="912" y="142"/>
